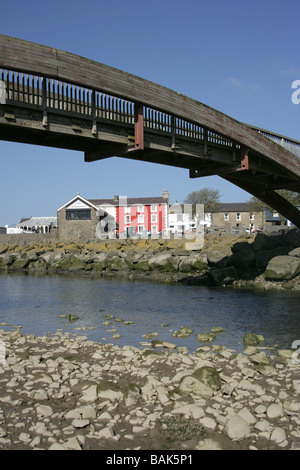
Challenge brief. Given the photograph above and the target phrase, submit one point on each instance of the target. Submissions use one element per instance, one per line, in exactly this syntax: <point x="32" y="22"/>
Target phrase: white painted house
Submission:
<point x="183" y="218"/>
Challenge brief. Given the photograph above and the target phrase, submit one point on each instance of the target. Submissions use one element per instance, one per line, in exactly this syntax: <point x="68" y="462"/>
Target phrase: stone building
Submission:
<point x="239" y="216"/>
<point x="78" y="219"/>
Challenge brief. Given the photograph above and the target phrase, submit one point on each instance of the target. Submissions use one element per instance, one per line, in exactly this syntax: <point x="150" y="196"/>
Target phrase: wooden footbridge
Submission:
<point x="53" y="98"/>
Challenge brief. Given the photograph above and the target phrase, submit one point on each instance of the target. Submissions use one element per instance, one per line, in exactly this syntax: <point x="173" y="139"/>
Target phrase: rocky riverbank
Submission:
<point x="260" y="262"/>
<point x="65" y="392"/>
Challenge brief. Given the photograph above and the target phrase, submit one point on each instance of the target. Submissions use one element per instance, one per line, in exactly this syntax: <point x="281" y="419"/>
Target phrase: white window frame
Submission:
<point x="141" y="228"/>
<point x="127" y="219"/>
<point x="226" y="216"/>
<point x="153" y="207"/>
<point x="141" y="218"/>
<point x="140" y="208"/>
<point x="251" y="216"/>
<point x="238" y="216"/>
<point x="154" y="229"/>
<point x="126" y="210"/>
<point x="153" y="218"/>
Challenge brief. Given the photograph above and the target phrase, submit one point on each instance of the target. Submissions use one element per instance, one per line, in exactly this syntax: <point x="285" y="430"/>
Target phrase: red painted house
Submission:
<point x="137" y="216"/>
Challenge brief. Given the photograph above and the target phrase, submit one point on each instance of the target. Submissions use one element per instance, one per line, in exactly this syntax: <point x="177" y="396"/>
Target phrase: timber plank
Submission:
<point x="46" y="61"/>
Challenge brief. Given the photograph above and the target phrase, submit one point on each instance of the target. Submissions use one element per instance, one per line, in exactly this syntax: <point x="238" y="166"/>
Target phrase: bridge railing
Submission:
<point x="291" y="145"/>
<point x="59" y="96"/>
<point x="31" y="90"/>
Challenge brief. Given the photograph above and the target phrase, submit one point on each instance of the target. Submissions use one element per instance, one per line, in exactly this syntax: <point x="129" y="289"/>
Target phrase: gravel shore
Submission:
<point x="66" y="392"/>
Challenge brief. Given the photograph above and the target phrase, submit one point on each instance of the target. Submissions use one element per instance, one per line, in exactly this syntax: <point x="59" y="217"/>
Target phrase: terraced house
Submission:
<point x="238" y="215"/>
<point x="82" y="218"/>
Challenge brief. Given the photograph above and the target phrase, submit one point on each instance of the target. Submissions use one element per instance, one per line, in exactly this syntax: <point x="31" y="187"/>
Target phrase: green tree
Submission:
<point x="207" y="196"/>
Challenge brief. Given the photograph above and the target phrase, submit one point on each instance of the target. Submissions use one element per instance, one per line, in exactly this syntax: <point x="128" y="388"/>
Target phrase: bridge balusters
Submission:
<point x="66" y="97"/>
<point x="289" y="145"/>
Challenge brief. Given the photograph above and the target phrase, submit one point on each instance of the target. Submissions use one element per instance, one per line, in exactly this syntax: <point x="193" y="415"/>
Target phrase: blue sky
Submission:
<point x="237" y="56"/>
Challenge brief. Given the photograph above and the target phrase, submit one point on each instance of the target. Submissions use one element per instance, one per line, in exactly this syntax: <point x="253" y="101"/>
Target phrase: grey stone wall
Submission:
<point x="75" y="230"/>
<point x="28" y="238"/>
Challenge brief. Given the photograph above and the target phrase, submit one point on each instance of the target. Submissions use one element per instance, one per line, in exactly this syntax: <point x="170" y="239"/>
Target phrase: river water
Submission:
<point x="37" y="303"/>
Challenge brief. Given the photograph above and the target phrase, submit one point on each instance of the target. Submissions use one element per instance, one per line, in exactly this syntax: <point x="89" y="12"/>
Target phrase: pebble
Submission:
<point x="77" y="394"/>
<point x="237" y="428"/>
<point x="275" y="411"/>
<point x="278" y="435"/>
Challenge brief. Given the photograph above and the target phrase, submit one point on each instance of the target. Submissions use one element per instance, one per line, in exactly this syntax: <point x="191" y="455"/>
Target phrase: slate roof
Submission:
<point x="234" y="207"/>
<point x="130" y="201"/>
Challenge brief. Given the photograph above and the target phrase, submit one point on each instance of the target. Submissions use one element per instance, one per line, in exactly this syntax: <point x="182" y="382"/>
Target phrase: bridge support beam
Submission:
<point x="271" y="198"/>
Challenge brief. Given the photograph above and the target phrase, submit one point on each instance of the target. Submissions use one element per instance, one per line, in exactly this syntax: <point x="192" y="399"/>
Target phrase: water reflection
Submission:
<point x="38" y="304"/>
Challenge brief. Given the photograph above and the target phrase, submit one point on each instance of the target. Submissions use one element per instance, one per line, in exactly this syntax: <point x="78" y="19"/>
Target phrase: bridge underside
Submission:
<point x="243" y="167"/>
<point x="53" y="98"/>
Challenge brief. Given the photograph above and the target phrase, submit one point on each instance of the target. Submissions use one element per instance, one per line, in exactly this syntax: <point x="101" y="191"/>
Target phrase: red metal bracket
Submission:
<point x="138" y="128"/>
<point x="244" y="160"/>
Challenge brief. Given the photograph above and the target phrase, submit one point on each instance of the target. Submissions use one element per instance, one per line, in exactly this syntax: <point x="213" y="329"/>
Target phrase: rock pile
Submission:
<point x="263" y="262"/>
<point x="63" y="392"/>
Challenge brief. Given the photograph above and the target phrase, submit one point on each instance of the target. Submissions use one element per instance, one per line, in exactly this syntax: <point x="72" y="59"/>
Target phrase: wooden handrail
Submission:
<point x="44" y="61"/>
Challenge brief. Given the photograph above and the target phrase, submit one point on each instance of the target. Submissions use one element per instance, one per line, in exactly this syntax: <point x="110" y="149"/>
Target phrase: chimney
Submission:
<point x="116" y="198"/>
<point x="166" y="196"/>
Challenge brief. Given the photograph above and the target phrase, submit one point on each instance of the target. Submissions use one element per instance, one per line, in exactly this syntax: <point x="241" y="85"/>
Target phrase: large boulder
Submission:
<point x="209" y="376"/>
<point x="265" y="242"/>
<point x="67" y="263"/>
<point x="282" y="268"/>
<point x="243" y="256"/>
<point x="164" y="261"/>
<point x="295" y="252"/>
<point x="99" y="261"/>
<point x="116" y="263"/>
<point x="252" y="339"/>
<point x="223" y="276"/>
<point x="292" y="237"/>
<point x="263" y="257"/>
<point x="195" y="262"/>
<point x="190" y="385"/>
<point x="218" y="254"/>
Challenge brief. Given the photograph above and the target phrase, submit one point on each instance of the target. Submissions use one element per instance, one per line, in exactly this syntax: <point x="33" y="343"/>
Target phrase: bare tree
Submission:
<point x="207" y="196"/>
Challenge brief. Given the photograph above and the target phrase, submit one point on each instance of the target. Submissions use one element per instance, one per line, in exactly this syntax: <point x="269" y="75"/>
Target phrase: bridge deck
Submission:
<point x="53" y="98"/>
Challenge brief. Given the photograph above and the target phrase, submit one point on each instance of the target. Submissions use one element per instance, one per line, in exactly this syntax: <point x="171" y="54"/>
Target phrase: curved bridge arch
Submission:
<point x="55" y="98"/>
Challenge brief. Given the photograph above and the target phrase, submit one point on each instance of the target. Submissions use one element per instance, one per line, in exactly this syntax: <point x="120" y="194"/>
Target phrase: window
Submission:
<point x="78" y="214"/>
<point x="226" y="216"/>
<point x="153" y="217"/>
<point x="154" y="228"/>
<point x="140" y="208"/>
<point x="140" y="228"/>
<point x="153" y="207"/>
<point x="238" y="216"/>
<point x="126" y="209"/>
<point x="127" y="219"/>
<point x="251" y="216"/>
<point x="140" y="218"/>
